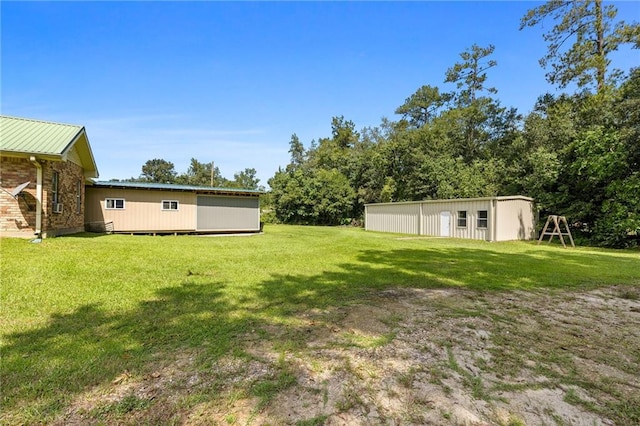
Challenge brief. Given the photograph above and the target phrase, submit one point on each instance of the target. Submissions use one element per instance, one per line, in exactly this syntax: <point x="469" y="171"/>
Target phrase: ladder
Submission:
<point x="557" y="220"/>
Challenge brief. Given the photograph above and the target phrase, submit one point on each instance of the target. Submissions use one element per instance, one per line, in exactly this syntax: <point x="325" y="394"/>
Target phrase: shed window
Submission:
<point x="114" y="203"/>
<point x="462" y="218"/>
<point x="169" y="205"/>
<point x="483" y="218"/>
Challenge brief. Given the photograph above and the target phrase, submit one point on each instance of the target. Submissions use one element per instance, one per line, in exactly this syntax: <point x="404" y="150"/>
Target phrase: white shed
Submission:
<point x="489" y="218"/>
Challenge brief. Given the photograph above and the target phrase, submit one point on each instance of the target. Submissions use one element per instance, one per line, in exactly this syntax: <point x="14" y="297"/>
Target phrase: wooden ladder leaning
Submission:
<point x="556" y="220"/>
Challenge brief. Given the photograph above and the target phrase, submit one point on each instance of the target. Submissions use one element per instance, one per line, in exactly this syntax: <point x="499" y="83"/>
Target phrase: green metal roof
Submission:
<point x="23" y="137"/>
<point x="37" y="137"/>
<point x="173" y="187"/>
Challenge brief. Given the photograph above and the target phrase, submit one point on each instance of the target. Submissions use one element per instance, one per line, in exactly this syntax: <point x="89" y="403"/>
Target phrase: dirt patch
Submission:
<point x="408" y="356"/>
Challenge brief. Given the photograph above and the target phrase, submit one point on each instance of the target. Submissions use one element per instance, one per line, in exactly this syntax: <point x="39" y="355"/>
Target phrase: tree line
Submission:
<point x="159" y="170"/>
<point x="577" y="154"/>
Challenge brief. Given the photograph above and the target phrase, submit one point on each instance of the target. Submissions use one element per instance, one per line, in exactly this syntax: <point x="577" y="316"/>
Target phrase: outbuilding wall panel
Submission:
<point x="398" y="218"/>
<point x="431" y="218"/>
<point x="517" y="220"/>
<point x="143" y="210"/>
<point x="226" y="213"/>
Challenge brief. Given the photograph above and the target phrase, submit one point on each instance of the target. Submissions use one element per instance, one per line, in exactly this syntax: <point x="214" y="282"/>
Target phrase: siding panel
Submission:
<point x="517" y="220"/>
<point x="397" y="218"/>
<point x="143" y="210"/>
<point x="217" y="213"/>
<point x="431" y="218"/>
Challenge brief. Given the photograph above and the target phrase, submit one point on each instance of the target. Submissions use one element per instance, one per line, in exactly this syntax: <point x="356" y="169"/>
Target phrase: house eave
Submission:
<point x="27" y="155"/>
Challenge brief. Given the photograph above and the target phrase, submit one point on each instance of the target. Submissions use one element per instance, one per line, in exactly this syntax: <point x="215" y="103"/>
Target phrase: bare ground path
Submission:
<point x="408" y="356"/>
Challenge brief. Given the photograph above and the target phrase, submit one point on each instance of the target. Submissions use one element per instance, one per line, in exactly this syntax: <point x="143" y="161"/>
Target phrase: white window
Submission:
<point x="169" y="205"/>
<point x="483" y="218"/>
<point x="462" y="218"/>
<point x="114" y="203"/>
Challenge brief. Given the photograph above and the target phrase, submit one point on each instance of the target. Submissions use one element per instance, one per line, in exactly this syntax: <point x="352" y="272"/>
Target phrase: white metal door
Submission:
<point x="445" y="224"/>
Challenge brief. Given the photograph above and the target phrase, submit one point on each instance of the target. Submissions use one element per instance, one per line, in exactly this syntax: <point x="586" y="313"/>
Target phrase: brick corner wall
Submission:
<point x="19" y="215"/>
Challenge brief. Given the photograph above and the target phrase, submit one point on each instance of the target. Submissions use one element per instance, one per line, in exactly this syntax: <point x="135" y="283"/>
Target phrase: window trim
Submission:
<point x="115" y="203"/>
<point x="462" y="218"/>
<point x="170" y="209"/>
<point x="482" y="219"/>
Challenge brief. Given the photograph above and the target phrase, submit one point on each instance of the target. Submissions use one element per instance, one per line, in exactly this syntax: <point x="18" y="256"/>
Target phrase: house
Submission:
<point x="488" y="218"/>
<point x="150" y="208"/>
<point x="47" y="188"/>
<point x="44" y="169"/>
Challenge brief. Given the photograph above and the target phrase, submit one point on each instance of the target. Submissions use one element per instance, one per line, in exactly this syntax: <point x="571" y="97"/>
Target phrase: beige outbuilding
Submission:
<point x="150" y="208"/>
<point x="488" y="218"/>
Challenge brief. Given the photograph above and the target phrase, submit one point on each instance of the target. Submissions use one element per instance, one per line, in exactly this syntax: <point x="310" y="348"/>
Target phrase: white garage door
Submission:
<point x="228" y="213"/>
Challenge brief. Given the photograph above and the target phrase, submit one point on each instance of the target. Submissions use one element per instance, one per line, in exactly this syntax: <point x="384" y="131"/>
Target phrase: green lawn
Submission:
<point x="80" y="311"/>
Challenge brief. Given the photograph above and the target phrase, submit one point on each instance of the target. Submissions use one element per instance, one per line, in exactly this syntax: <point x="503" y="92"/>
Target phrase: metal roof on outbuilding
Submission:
<point x="455" y="200"/>
<point x="175" y="187"/>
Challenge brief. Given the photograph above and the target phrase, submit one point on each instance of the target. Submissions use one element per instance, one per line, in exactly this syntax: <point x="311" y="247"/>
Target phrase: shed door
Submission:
<point x="228" y="213"/>
<point x="445" y="224"/>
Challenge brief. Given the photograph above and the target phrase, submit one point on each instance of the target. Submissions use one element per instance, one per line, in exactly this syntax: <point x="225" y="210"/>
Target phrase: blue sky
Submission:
<point x="230" y="82"/>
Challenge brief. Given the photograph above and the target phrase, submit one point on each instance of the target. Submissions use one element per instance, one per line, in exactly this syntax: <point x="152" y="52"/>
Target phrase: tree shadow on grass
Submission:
<point x="430" y="268"/>
<point x="45" y="368"/>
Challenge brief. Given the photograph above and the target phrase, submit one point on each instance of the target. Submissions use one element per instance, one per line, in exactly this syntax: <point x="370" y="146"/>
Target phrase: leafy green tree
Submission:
<point x="618" y="221"/>
<point x="591" y="26"/>
<point x="367" y="175"/>
<point x="581" y="159"/>
<point x="332" y="197"/>
<point x="319" y="197"/>
<point x="618" y="224"/>
<point x="470" y="75"/>
<point x="420" y="108"/>
<point x="200" y="174"/>
<point x="245" y="179"/>
<point x="290" y="203"/>
<point x="475" y="110"/>
<point x="344" y="132"/>
<point x="297" y="152"/>
<point x="337" y="152"/>
<point x="158" y="171"/>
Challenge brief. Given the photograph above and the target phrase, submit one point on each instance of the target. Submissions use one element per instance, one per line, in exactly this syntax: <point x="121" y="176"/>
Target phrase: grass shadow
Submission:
<point x="467" y="268"/>
<point x="45" y="368"/>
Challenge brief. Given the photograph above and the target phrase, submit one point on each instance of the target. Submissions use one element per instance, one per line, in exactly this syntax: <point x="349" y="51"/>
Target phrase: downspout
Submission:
<point x="38" y="195"/>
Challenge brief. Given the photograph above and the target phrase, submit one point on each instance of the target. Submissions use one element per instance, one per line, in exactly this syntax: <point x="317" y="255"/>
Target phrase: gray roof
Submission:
<point x="174" y="187"/>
